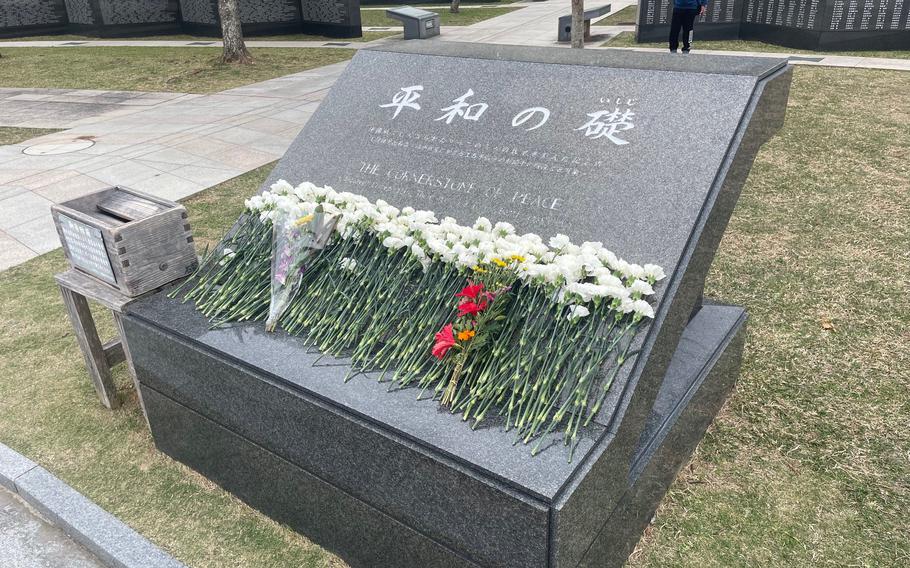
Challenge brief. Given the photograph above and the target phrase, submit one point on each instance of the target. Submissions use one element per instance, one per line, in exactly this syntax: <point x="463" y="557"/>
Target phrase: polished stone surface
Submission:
<point x="350" y="527"/>
<point x="647" y="199"/>
<point x="682" y="413"/>
<point x="253" y="429"/>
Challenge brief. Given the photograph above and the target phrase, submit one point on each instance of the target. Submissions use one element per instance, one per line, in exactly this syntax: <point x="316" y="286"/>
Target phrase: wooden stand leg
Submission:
<point x="92" y="349"/>
<point x="129" y="362"/>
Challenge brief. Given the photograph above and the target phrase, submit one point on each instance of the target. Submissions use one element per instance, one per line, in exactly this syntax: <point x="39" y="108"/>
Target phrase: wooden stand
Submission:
<point x="76" y="289"/>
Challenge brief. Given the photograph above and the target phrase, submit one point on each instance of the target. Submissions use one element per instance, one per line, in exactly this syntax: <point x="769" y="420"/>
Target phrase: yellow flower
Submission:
<point x="498" y="262"/>
<point x="303" y="220"/>
<point x="466" y="334"/>
<point x="479" y="269"/>
<point x="518" y="258"/>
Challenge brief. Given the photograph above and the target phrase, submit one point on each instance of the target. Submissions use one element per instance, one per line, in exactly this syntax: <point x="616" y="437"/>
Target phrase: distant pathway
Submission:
<point x="534" y="24"/>
<point x="171" y="149"/>
<point x="67" y="108"/>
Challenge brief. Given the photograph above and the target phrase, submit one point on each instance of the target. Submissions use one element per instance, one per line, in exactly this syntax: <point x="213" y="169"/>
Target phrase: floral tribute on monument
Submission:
<point x="482" y="319"/>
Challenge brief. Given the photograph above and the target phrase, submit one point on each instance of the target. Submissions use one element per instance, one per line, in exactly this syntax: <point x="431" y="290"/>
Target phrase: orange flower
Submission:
<point x="466" y="334"/>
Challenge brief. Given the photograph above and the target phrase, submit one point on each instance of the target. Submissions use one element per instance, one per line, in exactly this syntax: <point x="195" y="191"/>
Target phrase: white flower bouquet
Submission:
<point x="479" y="317"/>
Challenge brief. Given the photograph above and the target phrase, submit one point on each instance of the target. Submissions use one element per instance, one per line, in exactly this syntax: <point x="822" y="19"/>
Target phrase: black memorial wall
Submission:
<point x="805" y="24"/>
<point x="339" y="18"/>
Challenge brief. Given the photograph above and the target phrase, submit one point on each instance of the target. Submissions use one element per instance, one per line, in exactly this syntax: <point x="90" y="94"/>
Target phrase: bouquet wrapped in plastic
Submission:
<point x="296" y="242"/>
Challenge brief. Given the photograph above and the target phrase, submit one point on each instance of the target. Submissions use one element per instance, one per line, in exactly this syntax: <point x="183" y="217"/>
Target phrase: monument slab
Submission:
<point x="601" y="151"/>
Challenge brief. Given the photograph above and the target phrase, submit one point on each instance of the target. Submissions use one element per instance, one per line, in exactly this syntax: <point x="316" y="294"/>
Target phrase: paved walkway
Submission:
<point x="174" y="145"/>
<point x="67" y="108"/>
<point x="28" y="541"/>
<point x="172" y="149"/>
<point x="534" y="24"/>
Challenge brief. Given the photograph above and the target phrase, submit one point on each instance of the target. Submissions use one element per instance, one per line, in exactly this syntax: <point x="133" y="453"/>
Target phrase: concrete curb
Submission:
<point x="114" y="543"/>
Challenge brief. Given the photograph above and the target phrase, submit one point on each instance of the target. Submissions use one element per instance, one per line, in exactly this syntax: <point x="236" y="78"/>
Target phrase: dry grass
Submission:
<point x="175" y="69"/>
<point x="625" y="17"/>
<point x="12" y="135"/>
<point x="808" y="464"/>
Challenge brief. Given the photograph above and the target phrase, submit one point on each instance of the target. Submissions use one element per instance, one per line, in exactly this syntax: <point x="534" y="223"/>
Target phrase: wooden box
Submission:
<point x="127" y="239"/>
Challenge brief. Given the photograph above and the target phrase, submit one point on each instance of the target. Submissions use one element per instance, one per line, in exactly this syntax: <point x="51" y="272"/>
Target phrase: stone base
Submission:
<point x="385" y="480"/>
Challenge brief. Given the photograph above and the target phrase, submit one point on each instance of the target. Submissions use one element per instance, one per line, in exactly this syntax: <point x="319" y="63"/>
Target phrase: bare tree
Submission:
<point x="578" y="24"/>
<point x="235" y="50"/>
<point x="454" y="7"/>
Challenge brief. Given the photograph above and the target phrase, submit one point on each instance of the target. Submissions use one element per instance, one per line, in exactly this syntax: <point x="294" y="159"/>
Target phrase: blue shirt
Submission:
<point x="690" y="4"/>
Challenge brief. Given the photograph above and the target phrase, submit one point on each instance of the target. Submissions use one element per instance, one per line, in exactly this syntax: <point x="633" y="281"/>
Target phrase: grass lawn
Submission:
<point x="367" y="36"/>
<point x="627" y="39"/>
<point x="806" y="466"/>
<point x="11" y="135"/>
<point x="183" y="70"/>
<point x="465" y="17"/>
<point x="625" y="17"/>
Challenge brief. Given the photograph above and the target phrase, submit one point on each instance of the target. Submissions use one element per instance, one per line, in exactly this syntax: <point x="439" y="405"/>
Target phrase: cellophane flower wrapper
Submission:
<point x="296" y="242"/>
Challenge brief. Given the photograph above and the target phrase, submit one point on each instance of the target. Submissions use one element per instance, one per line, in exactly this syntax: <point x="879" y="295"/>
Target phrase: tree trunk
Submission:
<point x="454" y="7"/>
<point x="234" y="47"/>
<point x="578" y="24"/>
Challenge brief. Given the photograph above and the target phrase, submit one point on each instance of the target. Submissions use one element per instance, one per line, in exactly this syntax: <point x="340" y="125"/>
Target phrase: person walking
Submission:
<point x="684" y="13"/>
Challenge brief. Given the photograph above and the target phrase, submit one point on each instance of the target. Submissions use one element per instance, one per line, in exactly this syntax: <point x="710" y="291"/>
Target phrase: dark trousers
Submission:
<point x="682" y="18"/>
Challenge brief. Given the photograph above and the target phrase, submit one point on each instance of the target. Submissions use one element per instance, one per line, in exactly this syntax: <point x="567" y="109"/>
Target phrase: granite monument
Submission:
<point x="598" y="151"/>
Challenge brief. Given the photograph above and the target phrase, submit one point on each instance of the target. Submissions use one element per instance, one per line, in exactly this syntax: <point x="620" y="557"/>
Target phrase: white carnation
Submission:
<point x="281" y="186"/>
<point x="641" y="287"/>
<point x="393" y="243"/>
<point x="654" y="272"/>
<point x="643" y="309"/>
<point x="576" y="312"/>
<point x="483" y="224"/>
<point x="559" y="242"/>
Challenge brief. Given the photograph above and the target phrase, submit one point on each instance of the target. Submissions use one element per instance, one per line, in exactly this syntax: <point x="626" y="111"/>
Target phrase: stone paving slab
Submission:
<point x="65" y="108"/>
<point x="25" y="541"/>
<point x="28" y="541"/>
<point x="534" y="24"/>
<point x="172" y="147"/>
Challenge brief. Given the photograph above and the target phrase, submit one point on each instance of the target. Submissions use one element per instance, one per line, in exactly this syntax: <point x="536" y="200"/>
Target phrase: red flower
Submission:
<point x="445" y="340"/>
<point x="470" y="291"/>
<point x="471" y="308"/>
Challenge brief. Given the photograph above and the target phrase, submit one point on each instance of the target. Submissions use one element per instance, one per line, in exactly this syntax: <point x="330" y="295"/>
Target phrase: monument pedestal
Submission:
<point x="387" y="480"/>
<point x="383" y="479"/>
